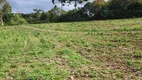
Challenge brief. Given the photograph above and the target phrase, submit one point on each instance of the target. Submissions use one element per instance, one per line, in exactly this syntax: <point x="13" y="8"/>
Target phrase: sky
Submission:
<point x="27" y="6"/>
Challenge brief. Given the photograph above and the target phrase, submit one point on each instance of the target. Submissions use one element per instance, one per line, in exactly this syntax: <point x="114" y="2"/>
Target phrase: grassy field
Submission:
<point x="95" y="50"/>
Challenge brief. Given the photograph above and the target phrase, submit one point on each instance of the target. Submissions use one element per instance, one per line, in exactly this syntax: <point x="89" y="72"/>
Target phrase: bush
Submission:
<point x="14" y="19"/>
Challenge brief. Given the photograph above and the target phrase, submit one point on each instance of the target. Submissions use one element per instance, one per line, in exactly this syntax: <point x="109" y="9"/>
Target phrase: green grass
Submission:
<point x="94" y="50"/>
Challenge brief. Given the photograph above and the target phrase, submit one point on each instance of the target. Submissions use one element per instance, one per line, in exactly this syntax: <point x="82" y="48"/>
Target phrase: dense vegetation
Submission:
<point x="97" y="10"/>
<point x="94" y="50"/>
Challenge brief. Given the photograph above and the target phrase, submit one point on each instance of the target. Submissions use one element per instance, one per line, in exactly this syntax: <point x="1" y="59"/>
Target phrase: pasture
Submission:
<point x="93" y="50"/>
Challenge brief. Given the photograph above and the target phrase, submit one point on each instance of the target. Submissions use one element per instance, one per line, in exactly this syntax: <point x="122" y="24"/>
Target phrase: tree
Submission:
<point x="2" y="3"/>
<point x="16" y="19"/>
<point x="134" y="9"/>
<point x="37" y="14"/>
<point x="135" y="5"/>
<point x="77" y="1"/>
<point x="30" y="18"/>
<point x="44" y="17"/>
<point x="98" y="5"/>
<point x="89" y="9"/>
<point x="6" y="12"/>
<point x="124" y="8"/>
<point x="62" y="4"/>
<point x="54" y="14"/>
<point x="69" y="1"/>
<point x="94" y="9"/>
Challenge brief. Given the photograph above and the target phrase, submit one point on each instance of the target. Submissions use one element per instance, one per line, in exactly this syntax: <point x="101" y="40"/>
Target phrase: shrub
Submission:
<point x="14" y="19"/>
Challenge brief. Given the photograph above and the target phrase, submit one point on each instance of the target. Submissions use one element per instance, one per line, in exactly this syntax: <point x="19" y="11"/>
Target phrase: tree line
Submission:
<point x="96" y="10"/>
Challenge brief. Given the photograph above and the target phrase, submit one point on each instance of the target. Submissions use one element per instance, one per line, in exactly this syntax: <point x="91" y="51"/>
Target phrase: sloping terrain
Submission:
<point x="95" y="50"/>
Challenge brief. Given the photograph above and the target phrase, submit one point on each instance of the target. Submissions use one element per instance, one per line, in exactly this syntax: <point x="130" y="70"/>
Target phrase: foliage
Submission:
<point x="14" y="19"/>
<point x="44" y="17"/>
<point x="5" y="8"/>
<point x="97" y="10"/>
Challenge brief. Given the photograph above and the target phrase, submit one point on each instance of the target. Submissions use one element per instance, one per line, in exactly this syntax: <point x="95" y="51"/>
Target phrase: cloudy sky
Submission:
<point x="27" y="6"/>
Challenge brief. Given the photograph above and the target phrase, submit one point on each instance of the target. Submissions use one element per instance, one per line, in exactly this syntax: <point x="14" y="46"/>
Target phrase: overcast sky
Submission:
<point x="27" y="6"/>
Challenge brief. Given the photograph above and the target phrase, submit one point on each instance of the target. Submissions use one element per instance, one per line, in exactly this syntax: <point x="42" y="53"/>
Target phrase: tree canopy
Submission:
<point x="5" y="8"/>
<point x="98" y="9"/>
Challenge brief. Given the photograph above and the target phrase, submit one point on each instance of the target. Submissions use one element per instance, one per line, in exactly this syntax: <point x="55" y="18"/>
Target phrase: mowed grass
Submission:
<point x="94" y="50"/>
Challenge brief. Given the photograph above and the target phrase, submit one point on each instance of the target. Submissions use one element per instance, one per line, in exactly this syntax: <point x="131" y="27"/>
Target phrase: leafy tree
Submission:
<point x="37" y="14"/>
<point x="98" y="5"/>
<point x="69" y="1"/>
<point x="98" y="9"/>
<point x="62" y="4"/>
<point x="54" y="14"/>
<point x="123" y="8"/>
<point x="89" y="9"/>
<point x="44" y="17"/>
<point x="77" y="1"/>
<point x="30" y="18"/>
<point x="7" y="11"/>
<point x="135" y="6"/>
<point x="2" y="3"/>
<point x="15" y="19"/>
<point x="94" y="9"/>
<point x="69" y="16"/>
<point x="4" y="9"/>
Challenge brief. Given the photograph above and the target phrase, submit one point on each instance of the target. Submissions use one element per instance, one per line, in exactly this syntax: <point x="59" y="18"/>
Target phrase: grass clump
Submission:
<point x="74" y="59"/>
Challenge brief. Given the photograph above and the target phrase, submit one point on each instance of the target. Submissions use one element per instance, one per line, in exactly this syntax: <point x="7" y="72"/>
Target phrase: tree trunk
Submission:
<point x="75" y="9"/>
<point x="1" y="19"/>
<point x="61" y="8"/>
<point x="75" y="4"/>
